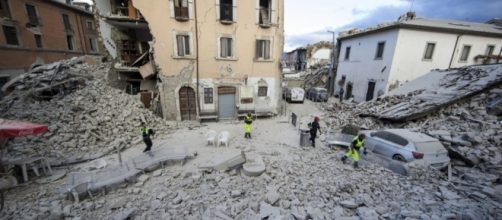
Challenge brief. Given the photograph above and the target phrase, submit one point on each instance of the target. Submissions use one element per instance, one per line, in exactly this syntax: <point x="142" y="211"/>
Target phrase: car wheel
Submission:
<point x="398" y="158"/>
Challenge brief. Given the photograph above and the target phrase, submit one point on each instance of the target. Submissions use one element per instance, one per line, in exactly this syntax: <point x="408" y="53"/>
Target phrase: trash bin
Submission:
<point x="304" y="137"/>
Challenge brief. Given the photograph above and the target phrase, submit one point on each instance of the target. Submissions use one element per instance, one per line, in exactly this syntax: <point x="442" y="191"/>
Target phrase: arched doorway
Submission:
<point x="188" y="104"/>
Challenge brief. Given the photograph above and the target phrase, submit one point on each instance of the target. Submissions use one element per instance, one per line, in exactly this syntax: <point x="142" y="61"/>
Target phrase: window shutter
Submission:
<point x="190" y="8"/>
<point x="257" y="55"/>
<point x="229" y="46"/>
<point x="267" y="50"/>
<point x="223" y="46"/>
<point x="187" y="45"/>
<point x="218" y="9"/>
<point x="179" y="44"/>
<point x="234" y="10"/>
<point x="273" y="14"/>
<point x="171" y="8"/>
<point x="257" y="11"/>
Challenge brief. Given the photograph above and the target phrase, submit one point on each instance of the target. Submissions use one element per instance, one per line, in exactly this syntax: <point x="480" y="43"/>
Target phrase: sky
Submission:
<point x="308" y="22"/>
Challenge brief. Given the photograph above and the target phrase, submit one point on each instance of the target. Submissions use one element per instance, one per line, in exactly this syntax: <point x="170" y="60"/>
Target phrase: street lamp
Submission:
<point x="331" y="67"/>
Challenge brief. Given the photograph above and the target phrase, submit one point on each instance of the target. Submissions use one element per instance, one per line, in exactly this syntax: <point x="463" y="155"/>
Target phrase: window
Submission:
<point x="263" y="49"/>
<point x="4" y="9"/>
<point x="92" y="44"/>
<point x="429" y="51"/>
<point x="390" y="137"/>
<point x="225" y="47"/>
<point x="10" y="35"/>
<point x="183" y="45"/>
<point x="347" y="53"/>
<point x="208" y="95"/>
<point x="181" y="9"/>
<point x="32" y="15"/>
<point x="465" y="53"/>
<point x="66" y="22"/>
<point x="226" y="10"/>
<point x="69" y="41"/>
<point x="265" y="13"/>
<point x="489" y="50"/>
<point x="90" y="25"/>
<point x="379" y="52"/>
<point x="38" y="40"/>
<point x="262" y="91"/>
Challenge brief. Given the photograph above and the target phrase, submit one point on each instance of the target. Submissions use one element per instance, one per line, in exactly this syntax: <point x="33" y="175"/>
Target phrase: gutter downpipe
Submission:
<point x="197" y="56"/>
<point x="454" y="49"/>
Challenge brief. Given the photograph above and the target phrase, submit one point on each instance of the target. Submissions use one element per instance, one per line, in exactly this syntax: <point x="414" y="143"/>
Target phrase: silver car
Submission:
<point x="405" y="145"/>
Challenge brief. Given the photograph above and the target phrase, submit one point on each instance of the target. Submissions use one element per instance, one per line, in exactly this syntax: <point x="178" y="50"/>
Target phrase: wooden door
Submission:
<point x="188" y="104"/>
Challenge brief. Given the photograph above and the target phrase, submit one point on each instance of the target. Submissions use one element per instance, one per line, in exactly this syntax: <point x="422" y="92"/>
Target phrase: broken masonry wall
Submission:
<point x="362" y="67"/>
<point x="242" y="66"/>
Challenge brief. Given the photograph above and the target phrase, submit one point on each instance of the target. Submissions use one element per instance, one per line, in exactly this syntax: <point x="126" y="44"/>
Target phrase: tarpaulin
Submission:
<point x="11" y="128"/>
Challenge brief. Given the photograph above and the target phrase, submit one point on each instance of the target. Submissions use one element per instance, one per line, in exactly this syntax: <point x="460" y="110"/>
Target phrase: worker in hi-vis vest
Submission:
<point x="146" y="133"/>
<point x="248" y="120"/>
<point x="353" y="151"/>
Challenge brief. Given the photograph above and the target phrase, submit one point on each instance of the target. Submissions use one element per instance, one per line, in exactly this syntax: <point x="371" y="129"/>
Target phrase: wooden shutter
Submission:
<point x="266" y="52"/>
<point x="234" y="10"/>
<point x="179" y="43"/>
<point x="273" y="12"/>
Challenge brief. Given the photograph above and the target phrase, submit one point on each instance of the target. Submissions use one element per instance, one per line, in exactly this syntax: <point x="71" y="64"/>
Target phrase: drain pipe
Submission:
<point x="454" y="48"/>
<point x="197" y="56"/>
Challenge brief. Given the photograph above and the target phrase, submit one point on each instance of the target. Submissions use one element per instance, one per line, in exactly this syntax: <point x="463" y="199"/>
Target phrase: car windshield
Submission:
<point x="430" y="147"/>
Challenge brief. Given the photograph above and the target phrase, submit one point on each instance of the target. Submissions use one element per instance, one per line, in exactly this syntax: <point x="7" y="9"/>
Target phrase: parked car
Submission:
<point x="294" y="94"/>
<point x="405" y="145"/>
<point x="317" y="94"/>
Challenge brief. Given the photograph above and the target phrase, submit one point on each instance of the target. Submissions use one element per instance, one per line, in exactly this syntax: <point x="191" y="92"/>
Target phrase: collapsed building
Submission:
<point x="215" y="60"/>
<point x="126" y="37"/>
<point x="408" y="48"/>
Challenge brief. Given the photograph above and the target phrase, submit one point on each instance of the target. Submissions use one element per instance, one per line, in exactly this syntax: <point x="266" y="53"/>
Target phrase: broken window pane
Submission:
<point x="380" y="47"/>
<point x="429" y="51"/>
<point x="465" y="53"/>
<point x="226" y="9"/>
<point x="11" y="35"/>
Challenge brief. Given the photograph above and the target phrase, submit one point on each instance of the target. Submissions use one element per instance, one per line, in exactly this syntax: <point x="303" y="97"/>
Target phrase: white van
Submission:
<point x="294" y="94"/>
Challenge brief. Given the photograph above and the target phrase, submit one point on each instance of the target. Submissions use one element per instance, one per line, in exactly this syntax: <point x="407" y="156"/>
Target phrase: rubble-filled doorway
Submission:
<point x="188" y="105"/>
<point x="348" y="94"/>
<point x="226" y="102"/>
<point x="371" y="90"/>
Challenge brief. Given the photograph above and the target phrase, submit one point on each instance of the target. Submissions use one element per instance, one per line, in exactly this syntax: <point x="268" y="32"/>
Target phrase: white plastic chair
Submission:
<point x="223" y="138"/>
<point x="211" y="138"/>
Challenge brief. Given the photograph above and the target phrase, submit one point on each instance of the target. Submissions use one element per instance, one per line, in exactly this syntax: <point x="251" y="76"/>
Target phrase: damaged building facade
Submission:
<point x="374" y="61"/>
<point x="215" y="59"/>
<point x="35" y="32"/>
<point x="126" y="37"/>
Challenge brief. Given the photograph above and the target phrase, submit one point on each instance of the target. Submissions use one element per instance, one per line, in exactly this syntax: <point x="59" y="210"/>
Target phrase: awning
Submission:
<point x="11" y="128"/>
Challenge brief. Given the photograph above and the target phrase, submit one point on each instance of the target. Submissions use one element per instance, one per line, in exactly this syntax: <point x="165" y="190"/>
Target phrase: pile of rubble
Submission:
<point x="313" y="184"/>
<point x="86" y="117"/>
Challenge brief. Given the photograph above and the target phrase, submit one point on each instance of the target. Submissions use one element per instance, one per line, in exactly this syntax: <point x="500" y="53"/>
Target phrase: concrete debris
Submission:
<point x="86" y="117"/>
<point x="254" y="165"/>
